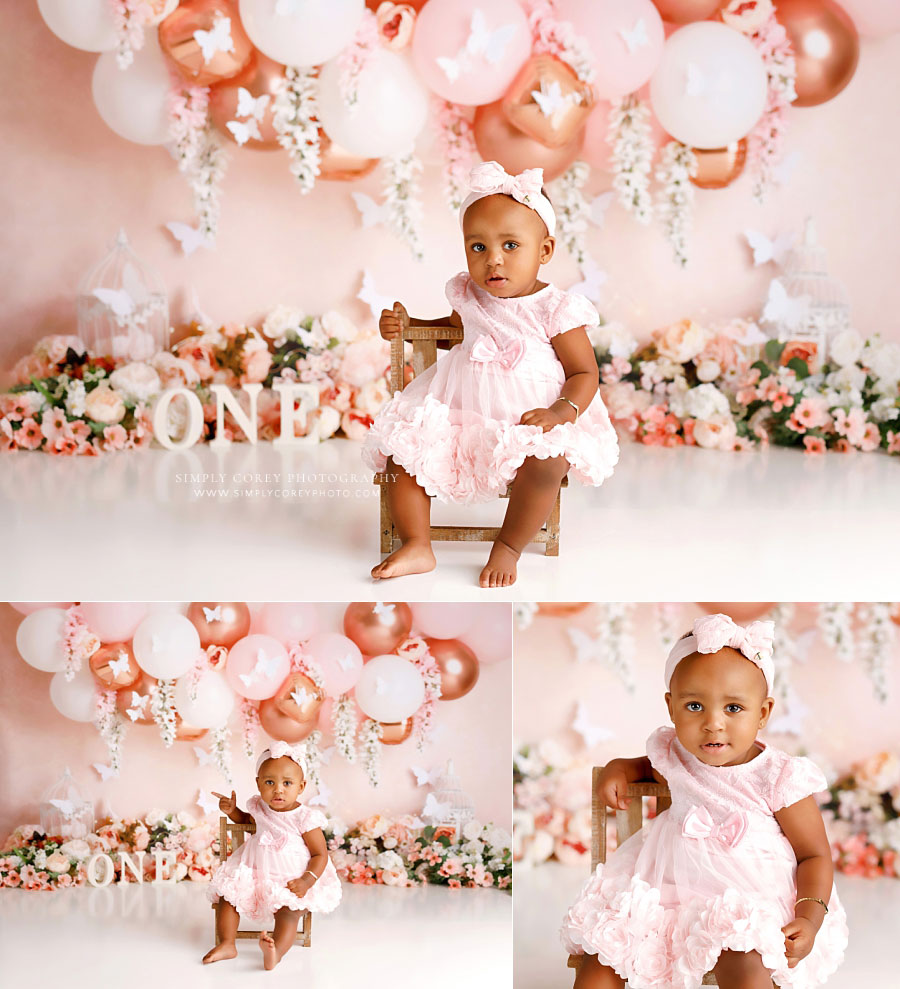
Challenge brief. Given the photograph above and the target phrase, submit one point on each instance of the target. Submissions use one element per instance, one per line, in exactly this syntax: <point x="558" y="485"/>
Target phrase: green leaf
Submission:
<point x="799" y="367"/>
<point x="774" y="350"/>
<point x="763" y="368"/>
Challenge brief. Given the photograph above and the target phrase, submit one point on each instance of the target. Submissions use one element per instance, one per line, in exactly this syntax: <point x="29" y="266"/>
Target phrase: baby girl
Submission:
<point x="515" y="402"/>
<point x="736" y="876"/>
<point x="282" y="869"/>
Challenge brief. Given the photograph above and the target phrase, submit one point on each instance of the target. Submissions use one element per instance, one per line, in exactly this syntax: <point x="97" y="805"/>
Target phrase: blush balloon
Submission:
<point x="338" y="659"/>
<point x="738" y="611"/>
<point x="287" y="622"/>
<point x="490" y="638"/>
<point x="257" y="666"/>
<point x="443" y="620"/>
<point x="113" y="622"/>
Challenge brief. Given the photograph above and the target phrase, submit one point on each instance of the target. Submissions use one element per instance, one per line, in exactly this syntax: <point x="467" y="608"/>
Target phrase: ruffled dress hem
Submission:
<point x="256" y="899"/>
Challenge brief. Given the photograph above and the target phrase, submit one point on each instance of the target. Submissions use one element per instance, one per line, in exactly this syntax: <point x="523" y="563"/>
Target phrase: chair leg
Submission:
<point x="551" y="547"/>
<point x="387" y="523"/>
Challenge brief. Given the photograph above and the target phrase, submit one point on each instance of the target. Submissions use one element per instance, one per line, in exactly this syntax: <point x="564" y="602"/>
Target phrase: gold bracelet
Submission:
<point x="315" y="875"/>
<point x="562" y="398"/>
<point x="814" y="899"/>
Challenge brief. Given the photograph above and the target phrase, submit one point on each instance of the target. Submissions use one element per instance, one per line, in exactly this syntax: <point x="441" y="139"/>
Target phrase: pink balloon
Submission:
<point x="288" y="622"/>
<point x="874" y="18"/>
<point x="442" y="29"/>
<point x="444" y="620"/>
<point x="625" y="36"/>
<point x="596" y="149"/>
<point x="490" y="638"/>
<point x="338" y="658"/>
<point x="27" y="607"/>
<point x="113" y="622"/>
<point x="257" y="666"/>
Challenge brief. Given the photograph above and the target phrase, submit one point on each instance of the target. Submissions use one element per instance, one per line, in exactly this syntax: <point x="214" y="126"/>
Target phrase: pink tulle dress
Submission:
<point x="713" y="872"/>
<point x="455" y="426"/>
<point x="254" y="878"/>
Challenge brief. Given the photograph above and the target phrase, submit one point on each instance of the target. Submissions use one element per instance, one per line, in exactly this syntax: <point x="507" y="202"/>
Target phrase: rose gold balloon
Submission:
<point x="458" y="666"/>
<point x="336" y="164"/>
<point x="187" y="733"/>
<point x="176" y="38"/>
<point x="685" y="11"/>
<point x="567" y="118"/>
<point x="738" y="611"/>
<point x="299" y="698"/>
<point x="260" y="78"/>
<point x="497" y="140"/>
<point x="719" y="167"/>
<point x="826" y="47"/>
<point x="113" y="679"/>
<point x="219" y="623"/>
<point x="281" y="726"/>
<point x="377" y="628"/>
<point x="395" y="732"/>
<point x="561" y="609"/>
<point x="895" y="614"/>
<point x="125" y="698"/>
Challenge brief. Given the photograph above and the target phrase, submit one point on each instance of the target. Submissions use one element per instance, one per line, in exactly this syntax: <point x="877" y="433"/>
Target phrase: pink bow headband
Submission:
<point x="490" y="178"/>
<point x="279" y="749"/>
<point x="714" y="632"/>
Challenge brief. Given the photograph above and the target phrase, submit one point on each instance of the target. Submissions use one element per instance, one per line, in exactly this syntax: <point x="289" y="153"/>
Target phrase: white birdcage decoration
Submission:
<point x="123" y="310"/>
<point x="817" y="306"/>
<point x="64" y="810"/>
<point x="448" y="792"/>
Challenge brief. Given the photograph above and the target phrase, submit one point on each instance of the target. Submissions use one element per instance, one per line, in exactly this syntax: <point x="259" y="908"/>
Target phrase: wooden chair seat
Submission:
<point x="237" y="831"/>
<point x="424" y="340"/>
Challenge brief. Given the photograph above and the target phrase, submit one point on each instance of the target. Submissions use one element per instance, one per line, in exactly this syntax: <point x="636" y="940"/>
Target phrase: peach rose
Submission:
<point x="58" y="862"/>
<point x="878" y="774"/>
<point x="716" y="433"/>
<point x="394" y="877"/>
<point x="395" y="24"/>
<point x="747" y="16"/>
<point x="200" y="356"/>
<point x="256" y="365"/>
<point x="682" y="341"/>
<point x="102" y="404"/>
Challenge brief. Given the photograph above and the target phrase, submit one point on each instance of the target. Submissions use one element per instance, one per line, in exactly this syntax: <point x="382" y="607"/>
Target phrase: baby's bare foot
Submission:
<point x="221" y="951"/>
<point x="412" y="557"/>
<point x="268" y="949"/>
<point x="500" y="569"/>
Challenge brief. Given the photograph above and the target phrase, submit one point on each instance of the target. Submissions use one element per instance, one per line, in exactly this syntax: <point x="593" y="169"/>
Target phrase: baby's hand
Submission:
<point x="799" y="935"/>
<point x="613" y="787"/>
<point x="393" y="321"/>
<point x="300" y="887"/>
<point x="226" y="804"/>
<point x="545" y="418"/>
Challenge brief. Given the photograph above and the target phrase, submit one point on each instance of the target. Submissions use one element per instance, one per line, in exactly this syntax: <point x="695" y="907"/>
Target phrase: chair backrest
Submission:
<point x="424" y="340"/>
<point x="237" y="831"/>
<point x="628" y="822"/>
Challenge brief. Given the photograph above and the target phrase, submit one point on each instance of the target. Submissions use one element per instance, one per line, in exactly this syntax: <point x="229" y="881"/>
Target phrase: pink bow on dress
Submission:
<point x="487" y="351"/>
<point x="276" y="841"/>
<point x="699" y="824"/>
<point x="713" y="632"/>
<point x="489" y="178"/>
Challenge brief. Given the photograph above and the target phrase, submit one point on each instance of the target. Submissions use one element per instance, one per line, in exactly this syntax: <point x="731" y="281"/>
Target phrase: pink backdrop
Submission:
<point x="69" y="183"/>
<point x="37" y="743"/>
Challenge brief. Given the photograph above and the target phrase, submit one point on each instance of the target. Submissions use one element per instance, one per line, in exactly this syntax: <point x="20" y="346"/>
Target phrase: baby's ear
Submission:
<point x="548" y="246"/>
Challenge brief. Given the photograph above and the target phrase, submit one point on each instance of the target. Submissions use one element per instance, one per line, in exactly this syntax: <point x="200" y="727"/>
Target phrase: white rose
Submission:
<point x="554" y="754"/>
<point x="682" y="341"/>
<point x="156" y="818"/>
<point x="40" y="858"/>
<point x="137" y="382"/>
<point x="104" y="405"/>
<point x="389" y="860"/>
<point x="540" y="848"/>
<point x="845" y="348"/>
<point x="613" y="338"/>
<point x="338" y="327"/>
<point x="708" y="370"/>
<point x="372" y="396"/>
<point x="75" y="395"/>
<point x="883" y="359"/>
<point x="280" y="320"/>
<point x="315" y="338"/>
<point x="849" y="378"/>
<point x="76" y="849"/>
<point x="328" y="423"/>
<point x="498" y="838"/>
<point x="715" y="433"/>
<point x="472" y="830"/>
<point x="33" y="401"/>
<point x="705" y="401"/>
<point x="186" y="818"/>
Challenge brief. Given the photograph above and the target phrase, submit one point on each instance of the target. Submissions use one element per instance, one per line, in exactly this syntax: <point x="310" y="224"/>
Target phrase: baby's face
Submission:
<point x="506" y="244"/>
<point x="280" y="782"/>
<point x="718" y="703"/>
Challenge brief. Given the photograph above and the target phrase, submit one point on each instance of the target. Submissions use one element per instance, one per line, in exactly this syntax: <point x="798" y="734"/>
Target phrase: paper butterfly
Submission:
<point x="425" y="777"/>
<point x="138" y="703"/>
<point x="636" y="37"/>
<point x="384" y="611"/>
<point x="120" y="665"/>
<point x="301" y="696"/>
<point x="550" y="98"/>
<point x="481" y="43"/>
<point x="591" y="731"/>
<point x="586" y="648"/>
<point x="435" y="809"/>
<point x="784" y="170"/>
<point x="265" y="667"/>
<point x="244" y="130"/>
<point x="105" y="772"/>
<point x="119" y="300"/>
<point x="248" y="106"/>
<point x="189" y="237"/>
<point x="346" y="661"/>
<point x="371" y="211"/>
<point x="213" y="614"/>
<point x="204" y="758"/>
<point x="372" y="297"/>
<point x="598" y="207"/>
<point x="206" y="802"/>
<point x="380" y="685"/>
<point x="217" y="39"/>
<point x="321" y="798"/>
<point x="156" y="643"/>
<point x="765" y="250"/>
<point x="751" y="336"/>
<point x="592" y="278"/>
<point x="66" y="806"/>
<point x="783" y="308"/>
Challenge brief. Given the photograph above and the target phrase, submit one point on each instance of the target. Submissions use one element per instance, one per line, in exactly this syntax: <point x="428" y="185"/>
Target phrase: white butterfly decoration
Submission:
<point x="212" y="614"/>
<point x="206" y="802"/>
<point x="780" y="307"/>
<point x="189" y="237"/>
<point x="326" y="754"/>
<point x="550" y="98"/>
<point x="156" y="643"/>
<point x="784" y="170"/>
<point x="67" y="807"/>
<point x="204" y="758"/>
<point x="346" y="661"/>
<point x="598" y="207"/>
<point x="120" y="665"/>
<point x="301" y="696"/>
<point x="372" y="297"/>
<point x="590" y="730"/>
<point x="380" y="686"/>
<point x="321" y="798"/>
<point x="217" y="39"/>
<point x="138" y="703"/>
<point x="384" y="611"/>
<point x="372" y="213"/>
<point x="592" y="278"/>
<point x="636" y="37"/>
<point x="751" y="336"/>
<point x="482" y="44"/>
<point x="587" y="649"/>
<point x="250" y="106"/>
<point x="265" y="667"/>
<point x="105" y="772"/>
<point x="118" y="300"/>
<point x="425" y="777"/>
<point x="765" y="250"/>
<point x="793" y="720"/>
<point x="434" y="809"/>
<point x="243" y="130"/>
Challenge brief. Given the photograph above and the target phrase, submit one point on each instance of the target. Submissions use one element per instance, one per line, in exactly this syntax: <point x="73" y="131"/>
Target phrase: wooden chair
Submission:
<point x="237" y="831"/>
<point x="424" y="341"/>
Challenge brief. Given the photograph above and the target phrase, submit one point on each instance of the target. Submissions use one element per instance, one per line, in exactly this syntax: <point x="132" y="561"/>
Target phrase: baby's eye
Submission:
<point x="733" y="708"/>
<point x="694" y="706"/>
<point x="511" y="245"/>
<point x="478" y="248"/>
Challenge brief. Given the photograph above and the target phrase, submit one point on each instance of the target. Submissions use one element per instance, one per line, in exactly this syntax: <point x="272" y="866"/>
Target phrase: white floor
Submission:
<point x="772" y="525"/>
<point x="544" y="894"/>
<point x="155" y="936"/>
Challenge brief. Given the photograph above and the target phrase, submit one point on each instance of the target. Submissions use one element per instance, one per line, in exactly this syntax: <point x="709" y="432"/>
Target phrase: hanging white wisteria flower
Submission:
<point x="220" y="750"/>
<point x="130" y="18"/>
<point x="162" y="707"/>
<point x="403" y="198"/>
<point x="456" y="141"/>
<point x="631" y="155"/>
<point x="370" y="749"/>
<point x="835" y="624"/>
<point x="784" y="650"/>
<point x="343" y="726"/>
<point x="294" y="119"/>
<point x="668" y="620"/>
<point x="612" y="645"/>
<point x="876" y="635"/>
<point x="250" y="727"/>
<point x="677" y="164"/>
<point x="523" y="614"/>
<point x="572" y="210"/>
<point x="110" y="726"/>
<point x="312" y="756"/>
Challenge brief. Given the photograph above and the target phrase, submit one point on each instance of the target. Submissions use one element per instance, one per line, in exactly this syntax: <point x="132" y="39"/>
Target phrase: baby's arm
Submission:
<point x="617" y="774"/>
<point x="229" y="807"/>
<point x="318" y="859"/>
<point x="804" y="828"/>
<point x="575" y="353"/>
<point x="393" y="321"/>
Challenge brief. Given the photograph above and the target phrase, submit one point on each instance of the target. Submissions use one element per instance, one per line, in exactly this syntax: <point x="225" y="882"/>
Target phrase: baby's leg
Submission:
<point x="531" y="499"/>
<point x="742" y="970"/>
<point x="410" y="509"/>
<point x="593" y="975"/>
<point x="227" y="920"/>
<point x="276" y="945"/>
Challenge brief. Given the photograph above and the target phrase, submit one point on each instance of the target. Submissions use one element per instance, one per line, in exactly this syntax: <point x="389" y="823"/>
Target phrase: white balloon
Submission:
<point x="391" y="111"/>
<point x="213" y="703"/>
<point x="389" y="689"/>
<point x="76" y="698"/>
<point x="169" y="8"/>
<point x="710" y="86"/>
<point x="166" y="645"/>
<point x="39" y="639"/>
<point x="133" y="102"/>
<point x="84" y="24"/>
<point x="313" y="31"/>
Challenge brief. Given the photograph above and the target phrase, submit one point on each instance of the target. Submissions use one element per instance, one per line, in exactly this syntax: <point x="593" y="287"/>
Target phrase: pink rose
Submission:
<point x="682" y="341"/>
<point x="716" y="433"/>
<point x="256" y="365"/>
<point x="372" y="396"/>
<point x="102" y="404"/>
<point x="355" y="425"/>
<point x="393" y="877"/>
<point x="199" y="356"/>
<point x="364" y="360"/>
<point x="58" y="862"/>
<point x="622" y="399"/>
<point x="141" y="838"/>
<point x="395" y="24"/>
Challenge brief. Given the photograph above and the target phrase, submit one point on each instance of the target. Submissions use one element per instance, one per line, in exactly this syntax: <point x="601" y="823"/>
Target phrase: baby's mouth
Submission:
<point x="496" y="280"/>
<point x="714" y="746"/>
